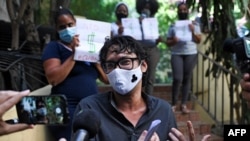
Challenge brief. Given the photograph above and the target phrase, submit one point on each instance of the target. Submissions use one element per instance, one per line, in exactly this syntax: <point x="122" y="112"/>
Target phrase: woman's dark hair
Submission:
<point x="120" y="4"/>
<point x="180" y="4"/>
<point x="62" y="11"/>
<point x="154" y="6"/>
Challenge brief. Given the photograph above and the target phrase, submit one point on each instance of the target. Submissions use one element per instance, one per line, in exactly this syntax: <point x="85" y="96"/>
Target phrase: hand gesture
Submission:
<point x="120" y="30"/>
<point x="176" y="135"/>
<point x="7" y="100"/>
<point x="142" y="137"/>
<point x="245" y="85"/>
<point x="191" y="27"/>
<point x="75" y="42"/>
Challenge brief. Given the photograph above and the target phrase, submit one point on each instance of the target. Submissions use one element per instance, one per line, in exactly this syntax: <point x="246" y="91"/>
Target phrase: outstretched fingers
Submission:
<point x="176" y="135"/>
<point x="191" y="131"/>
<point x="9" y="99"/>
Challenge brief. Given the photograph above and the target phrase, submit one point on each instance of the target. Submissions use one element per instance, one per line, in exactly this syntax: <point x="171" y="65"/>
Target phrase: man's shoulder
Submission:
<point x="95" y="97"/>
<point x="160" y="105"/>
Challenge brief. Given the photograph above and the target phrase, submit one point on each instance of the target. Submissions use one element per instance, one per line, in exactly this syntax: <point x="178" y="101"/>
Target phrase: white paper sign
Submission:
<point x="92" y="36"/>
<point x="132" y="27"/>
<point x="182" y="30"/>
<point x="150" y="28"/>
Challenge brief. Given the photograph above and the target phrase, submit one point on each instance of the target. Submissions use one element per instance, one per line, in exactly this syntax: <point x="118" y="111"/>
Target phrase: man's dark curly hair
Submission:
<point x="154" y="6"/>
<point x="125" y="43"/>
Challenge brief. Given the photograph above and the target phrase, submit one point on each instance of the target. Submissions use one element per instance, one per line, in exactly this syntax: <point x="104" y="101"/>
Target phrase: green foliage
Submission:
<point x="100" y="10"/>
<point x="42" y="13"/>
<point x="166" y="15"/>
<point x="219" y="23"/>
<point x="222" y="26"/>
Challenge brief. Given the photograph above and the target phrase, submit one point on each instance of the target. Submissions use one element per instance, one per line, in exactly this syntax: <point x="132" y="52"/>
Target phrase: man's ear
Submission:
<point x="144" y="66"/>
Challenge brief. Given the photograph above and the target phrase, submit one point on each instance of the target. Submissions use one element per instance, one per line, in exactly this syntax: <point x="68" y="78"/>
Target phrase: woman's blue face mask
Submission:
<point x="67" y="34"/>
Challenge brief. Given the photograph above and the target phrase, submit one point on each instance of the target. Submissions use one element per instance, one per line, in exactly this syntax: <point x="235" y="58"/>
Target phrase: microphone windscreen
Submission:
<point x="237" y="46"/>
<point x="88" y="120"/>
<point x="228" y="45"/>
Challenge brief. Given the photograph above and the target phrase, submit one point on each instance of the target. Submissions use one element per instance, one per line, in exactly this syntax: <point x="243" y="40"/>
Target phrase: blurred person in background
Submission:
<point x="183" y="56"/>
<point x="74" y="79"/>
<point x="121" y="11"/>
<point x="148" y="9"/>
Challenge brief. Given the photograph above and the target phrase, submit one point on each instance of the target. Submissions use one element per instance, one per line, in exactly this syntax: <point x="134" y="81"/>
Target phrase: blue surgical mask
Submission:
<point x="67" y="34"/>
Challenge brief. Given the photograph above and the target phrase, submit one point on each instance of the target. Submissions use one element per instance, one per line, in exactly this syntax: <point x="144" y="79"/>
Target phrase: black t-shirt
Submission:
<point x="114" y="125"/>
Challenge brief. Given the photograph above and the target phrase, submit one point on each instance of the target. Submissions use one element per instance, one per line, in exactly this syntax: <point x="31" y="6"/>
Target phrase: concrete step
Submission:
<point x="213" y="137"/>
<point x="192" y="116"/>
<point x="200" y="127"/>
<point x="163" y="91"/>
<point x="190" y="105"/>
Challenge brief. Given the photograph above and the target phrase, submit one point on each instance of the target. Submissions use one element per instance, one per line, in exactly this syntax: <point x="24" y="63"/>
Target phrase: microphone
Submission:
<point x="237" y="46"/>
<point x="85" y="125"/>
<point x="241" y="48"/>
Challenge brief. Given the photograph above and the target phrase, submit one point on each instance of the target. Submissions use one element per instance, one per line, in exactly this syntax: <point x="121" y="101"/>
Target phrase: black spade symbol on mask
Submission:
<point x="134" y="78"/>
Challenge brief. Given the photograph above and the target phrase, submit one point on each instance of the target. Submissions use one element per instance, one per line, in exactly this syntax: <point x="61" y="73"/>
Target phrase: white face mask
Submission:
<point x="123" y="81"/>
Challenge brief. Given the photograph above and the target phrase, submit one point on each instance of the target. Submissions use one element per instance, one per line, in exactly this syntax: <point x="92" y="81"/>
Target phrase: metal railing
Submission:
<point x="218" y="92"/>
<point x="21" y="71"/>
<point x="22" y="68"/>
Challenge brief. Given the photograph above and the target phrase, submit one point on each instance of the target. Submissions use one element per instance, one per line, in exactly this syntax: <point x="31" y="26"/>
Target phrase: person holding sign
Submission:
<point x="147" y="10"/>
<point x="74" y="79"/>
<point x="182" y="38"/>
<point x="121" y="11"/>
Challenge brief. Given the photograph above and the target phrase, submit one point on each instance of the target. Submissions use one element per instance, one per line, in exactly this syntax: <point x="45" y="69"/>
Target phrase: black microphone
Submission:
<point x="85" y="125"/>
<point x="237" y="46"/>
<point x="241" y="47"/>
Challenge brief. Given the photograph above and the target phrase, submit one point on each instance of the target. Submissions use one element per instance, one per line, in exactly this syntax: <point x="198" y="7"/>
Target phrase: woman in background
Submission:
<point x="148" y="9"/>
<point x="183" y="57"/>
<point x="121" y="11"/>
<point x="75" y="79"/>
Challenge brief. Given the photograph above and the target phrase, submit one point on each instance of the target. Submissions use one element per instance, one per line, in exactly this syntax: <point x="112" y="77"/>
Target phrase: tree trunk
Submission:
<point x="15" y="17"/>
<point x="15" y="35"/>
<point x="32" y="35"/>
